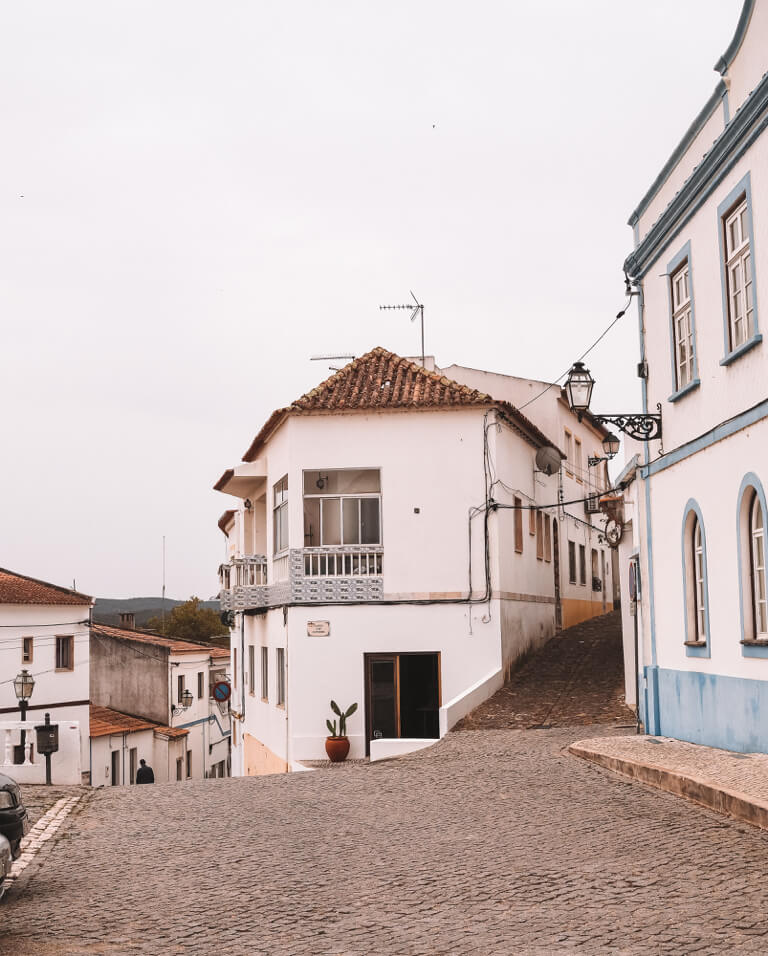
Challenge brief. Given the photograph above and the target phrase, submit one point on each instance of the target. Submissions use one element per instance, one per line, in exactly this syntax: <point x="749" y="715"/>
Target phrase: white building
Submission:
<point x="701" y="233"/>
<point x="119" y="742"/>
<point x="145" y="676"/>
<point x="395" y="546"/>
<point x="44" y="630"/>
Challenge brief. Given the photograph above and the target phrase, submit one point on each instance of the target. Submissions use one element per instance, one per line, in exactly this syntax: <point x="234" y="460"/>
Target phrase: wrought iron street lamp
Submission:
<point x="610" y="447"/>
<point x="579" y="386"/>
<point x="23" y="685"/>
<point x="184" y="703"/>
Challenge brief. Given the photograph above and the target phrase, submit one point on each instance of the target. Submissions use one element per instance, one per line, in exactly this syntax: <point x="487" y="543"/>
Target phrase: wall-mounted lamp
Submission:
<point x="247" y="504"/>
<point x="610" y="447"/>
<point x="184" y="704"/>
<point x="578" y="387"/>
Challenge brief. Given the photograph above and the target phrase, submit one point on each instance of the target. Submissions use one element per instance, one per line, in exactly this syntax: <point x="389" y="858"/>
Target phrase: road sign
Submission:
<point x="221" y="691"/>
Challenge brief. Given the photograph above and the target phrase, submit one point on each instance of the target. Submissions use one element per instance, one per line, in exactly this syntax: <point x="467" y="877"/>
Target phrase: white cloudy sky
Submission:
<point x="196" y="197"/>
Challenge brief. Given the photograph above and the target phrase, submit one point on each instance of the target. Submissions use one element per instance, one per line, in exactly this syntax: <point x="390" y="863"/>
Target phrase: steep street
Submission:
<point x="493" y="841"/>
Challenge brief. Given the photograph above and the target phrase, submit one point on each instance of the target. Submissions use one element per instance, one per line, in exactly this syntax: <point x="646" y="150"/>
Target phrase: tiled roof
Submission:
<point x="20" y="589"/>
<point x="105" y="721"/>
<point x="381" y="380"/>
<point x="226" y="517"/>
<point x="171" y="732"/>
<point x="155" y="640"/>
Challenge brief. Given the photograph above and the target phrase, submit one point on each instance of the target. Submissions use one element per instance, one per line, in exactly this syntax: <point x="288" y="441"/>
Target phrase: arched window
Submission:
<point x="698" y="583"/>
<point x="751" y="517"/>
<point x="696" y="596"/>
<point x="757" y="569"/>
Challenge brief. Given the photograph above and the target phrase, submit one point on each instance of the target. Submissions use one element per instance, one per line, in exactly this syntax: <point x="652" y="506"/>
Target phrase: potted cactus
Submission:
<point x="337" y="745"/>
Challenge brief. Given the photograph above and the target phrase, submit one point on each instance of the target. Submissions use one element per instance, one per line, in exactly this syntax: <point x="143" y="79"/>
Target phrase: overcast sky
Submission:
<point x="196" y="197"/>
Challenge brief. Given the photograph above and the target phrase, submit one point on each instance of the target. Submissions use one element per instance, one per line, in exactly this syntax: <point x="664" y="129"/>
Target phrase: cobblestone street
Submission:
<point x="491" y="842"/>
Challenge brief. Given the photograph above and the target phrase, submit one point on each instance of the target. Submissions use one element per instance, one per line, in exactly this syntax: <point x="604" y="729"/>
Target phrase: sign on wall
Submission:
<point x="318" y="628"/>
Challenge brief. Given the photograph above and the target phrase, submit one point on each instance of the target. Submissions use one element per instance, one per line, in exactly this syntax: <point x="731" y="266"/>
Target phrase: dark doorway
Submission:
<point x="402" y="696"/>
<point x="115" y="758"/>
<point x="556" y="568"/>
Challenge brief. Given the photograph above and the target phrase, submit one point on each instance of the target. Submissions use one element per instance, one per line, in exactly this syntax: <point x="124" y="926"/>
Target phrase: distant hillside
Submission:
<point x="107" y="610"/>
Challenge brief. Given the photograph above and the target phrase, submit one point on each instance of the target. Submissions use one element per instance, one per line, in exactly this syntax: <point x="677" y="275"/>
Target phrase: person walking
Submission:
<point x="144" y="774"/>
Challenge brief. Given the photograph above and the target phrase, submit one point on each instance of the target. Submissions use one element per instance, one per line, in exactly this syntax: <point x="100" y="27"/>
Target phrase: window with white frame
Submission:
<point x="27" y="649"/>
<point x="682" y="325"/>
<point x="342" y="507"/>
<point x="738" y="274"/>
<point x="280" y="516"/>
<point x="757" y="554"/>
<point x="572" y="562"/>
<point x="251" y="670"/>
<point x="280" y="677"/>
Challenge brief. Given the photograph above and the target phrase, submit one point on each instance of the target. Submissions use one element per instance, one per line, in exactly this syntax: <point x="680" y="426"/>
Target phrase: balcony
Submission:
<point x="243" y="583"/>
<point x="347" y="573"/>
<point x="343" y="562"/>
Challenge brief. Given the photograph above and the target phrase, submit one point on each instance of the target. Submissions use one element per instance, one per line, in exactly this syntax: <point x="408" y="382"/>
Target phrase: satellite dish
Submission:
<point x="548" y="460"/>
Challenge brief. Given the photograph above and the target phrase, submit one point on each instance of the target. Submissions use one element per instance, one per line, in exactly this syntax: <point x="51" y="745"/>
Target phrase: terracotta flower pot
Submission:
<point x="337" y="748"/>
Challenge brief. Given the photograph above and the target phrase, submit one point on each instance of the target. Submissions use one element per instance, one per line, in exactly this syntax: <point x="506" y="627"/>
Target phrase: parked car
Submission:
<point x="14" y="823"/>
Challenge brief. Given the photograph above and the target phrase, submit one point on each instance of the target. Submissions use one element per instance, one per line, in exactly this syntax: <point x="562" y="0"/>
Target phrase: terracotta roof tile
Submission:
<point x="226" y="518"/>
<point x="104" y="720"/>
<point x="381" y="380"/>
<point x="172" y="732"/>
<point x="155" y="640"/>
<point x="20" y="589"/>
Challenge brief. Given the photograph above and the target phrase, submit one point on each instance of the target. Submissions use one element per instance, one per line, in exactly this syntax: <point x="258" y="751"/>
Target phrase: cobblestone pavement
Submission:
<point x="576" y="678"/>
<point x="491" y="842"/>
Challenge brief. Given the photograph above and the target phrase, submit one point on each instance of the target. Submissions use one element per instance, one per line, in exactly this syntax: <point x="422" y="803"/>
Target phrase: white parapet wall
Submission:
<point x="452" y="712"/>
<point x="385" y="747"/>
<point x="65" y="763"/>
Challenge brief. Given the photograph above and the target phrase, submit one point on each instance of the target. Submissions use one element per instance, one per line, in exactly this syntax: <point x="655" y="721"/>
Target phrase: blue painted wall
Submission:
<point x="711" y="709"/>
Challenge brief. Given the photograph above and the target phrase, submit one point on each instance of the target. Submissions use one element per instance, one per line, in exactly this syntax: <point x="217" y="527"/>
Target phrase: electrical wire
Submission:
<point x="600" y="337"/>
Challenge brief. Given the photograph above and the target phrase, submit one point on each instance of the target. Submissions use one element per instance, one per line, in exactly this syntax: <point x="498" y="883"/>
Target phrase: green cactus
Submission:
<point x="342" y="715"/>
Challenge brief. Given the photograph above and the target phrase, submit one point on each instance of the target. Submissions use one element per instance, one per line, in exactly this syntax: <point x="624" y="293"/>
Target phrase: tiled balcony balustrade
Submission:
<point x="243" y="583"/>
<point x="307" y="576"/>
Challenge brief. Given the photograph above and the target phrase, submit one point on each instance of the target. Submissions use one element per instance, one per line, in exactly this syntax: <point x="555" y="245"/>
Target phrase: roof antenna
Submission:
<point x="416" y="309"/>
<point x="324" y="358"/>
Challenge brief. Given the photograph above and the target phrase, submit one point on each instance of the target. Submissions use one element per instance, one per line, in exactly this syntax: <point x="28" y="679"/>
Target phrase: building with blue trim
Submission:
<point x="698" y="503"/>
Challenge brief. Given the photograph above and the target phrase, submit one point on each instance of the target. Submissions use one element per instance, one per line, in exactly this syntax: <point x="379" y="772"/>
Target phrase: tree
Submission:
<point x="189" y="622"/>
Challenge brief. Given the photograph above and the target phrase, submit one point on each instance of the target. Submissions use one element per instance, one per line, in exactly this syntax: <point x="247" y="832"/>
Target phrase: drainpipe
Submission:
<point x="287" y="698"/>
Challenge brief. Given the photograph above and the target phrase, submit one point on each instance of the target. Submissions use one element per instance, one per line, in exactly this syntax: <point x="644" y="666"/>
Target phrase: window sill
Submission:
<point x="681" y="392"/>
<point x="754" y="643"/>
<point x="695" y="643"/>
<point x="751" y="648"/>
<point x="756" y="339"/>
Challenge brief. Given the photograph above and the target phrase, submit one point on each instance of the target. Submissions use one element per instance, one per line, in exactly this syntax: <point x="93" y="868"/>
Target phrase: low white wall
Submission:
<point x="65" y="763"/>
<point x="452" y="712"/>
<point x="386" y="747"/>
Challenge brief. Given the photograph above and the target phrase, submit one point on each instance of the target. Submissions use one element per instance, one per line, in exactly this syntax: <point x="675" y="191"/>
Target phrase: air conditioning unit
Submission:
<point x="592" y="505"/>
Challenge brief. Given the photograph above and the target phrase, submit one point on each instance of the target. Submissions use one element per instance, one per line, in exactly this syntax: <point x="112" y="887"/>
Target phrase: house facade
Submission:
<point x="700" y="235"/>
<point x="44" y="630"/>
<point x="394" y="545"/>
<point x="119" y="742"/>
<point x="141" y="678"/>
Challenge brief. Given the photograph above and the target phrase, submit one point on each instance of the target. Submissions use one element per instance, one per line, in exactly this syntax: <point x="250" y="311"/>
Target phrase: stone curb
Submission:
<point x="730" y="803"/>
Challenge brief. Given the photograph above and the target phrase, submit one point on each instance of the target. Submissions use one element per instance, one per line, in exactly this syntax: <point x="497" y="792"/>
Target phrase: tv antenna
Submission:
<point x="335" y="358"/>
<point x="416" y="309"/>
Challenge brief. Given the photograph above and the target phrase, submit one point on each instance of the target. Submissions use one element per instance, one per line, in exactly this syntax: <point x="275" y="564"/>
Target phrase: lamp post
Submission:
<point x="23" y="685"/>
<point x="579" y="385"/>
